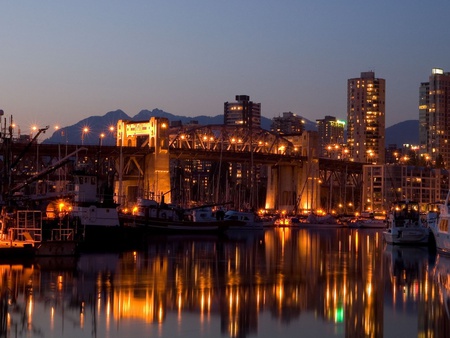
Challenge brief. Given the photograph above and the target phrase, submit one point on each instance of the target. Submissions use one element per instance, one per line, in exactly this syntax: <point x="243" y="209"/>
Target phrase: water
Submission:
<point x="276" y="283"/>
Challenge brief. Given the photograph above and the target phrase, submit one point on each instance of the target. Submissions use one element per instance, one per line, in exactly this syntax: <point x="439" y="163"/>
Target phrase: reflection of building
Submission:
<point x="366" y="118"/>
<point x="243" y="112"/>
<point x="288" y="124"/>
<point x="384" y="184"/>
<point x="434" y="116"/>
<point x="276" y="282"/>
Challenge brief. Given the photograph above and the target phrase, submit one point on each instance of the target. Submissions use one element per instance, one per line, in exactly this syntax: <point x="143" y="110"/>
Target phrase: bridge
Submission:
<point x="190" y="165"/>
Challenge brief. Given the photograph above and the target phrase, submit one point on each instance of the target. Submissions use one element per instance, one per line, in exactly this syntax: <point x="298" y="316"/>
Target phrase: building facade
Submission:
<point x="331" y="137"/>
<point x="385" y="184"/>
<point x="366" y="118"/>
<point x="242" y="112"/>
<point x="434" y="117"/>
<point x="288" y="124"/>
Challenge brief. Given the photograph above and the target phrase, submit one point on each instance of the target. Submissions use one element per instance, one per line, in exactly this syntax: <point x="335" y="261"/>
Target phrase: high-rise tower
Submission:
<point x="434" y="117"/>
<point x="288" y="124"/>
<point x="331" y="134"/>
<point x="243" y="112"/>
<point x="366" y="118"/>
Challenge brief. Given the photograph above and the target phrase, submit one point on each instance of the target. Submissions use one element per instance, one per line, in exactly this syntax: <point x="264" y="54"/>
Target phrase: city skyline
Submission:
<point x="62" y="63"/>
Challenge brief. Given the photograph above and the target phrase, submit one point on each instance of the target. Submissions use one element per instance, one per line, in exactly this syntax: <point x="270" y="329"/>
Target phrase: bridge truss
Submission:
<point x="208" y="164"/>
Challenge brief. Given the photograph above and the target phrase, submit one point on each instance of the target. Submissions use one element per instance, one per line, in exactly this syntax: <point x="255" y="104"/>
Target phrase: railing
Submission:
<point x="30" y="235"/>
<point x="62" y="234"/>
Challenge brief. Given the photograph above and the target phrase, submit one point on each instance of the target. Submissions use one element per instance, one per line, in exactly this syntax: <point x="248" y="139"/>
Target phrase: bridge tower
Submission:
<point x="143" y="173"/>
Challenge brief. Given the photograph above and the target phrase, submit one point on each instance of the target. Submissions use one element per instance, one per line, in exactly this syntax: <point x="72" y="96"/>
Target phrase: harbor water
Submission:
<point x="279" y="282"/>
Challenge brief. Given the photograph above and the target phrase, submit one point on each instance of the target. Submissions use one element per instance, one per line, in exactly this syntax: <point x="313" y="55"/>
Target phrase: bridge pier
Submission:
<point x="293" y="187"/>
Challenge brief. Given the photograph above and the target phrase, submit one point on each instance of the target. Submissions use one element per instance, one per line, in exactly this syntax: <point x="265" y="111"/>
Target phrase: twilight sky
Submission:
<point x="63" y="61"/>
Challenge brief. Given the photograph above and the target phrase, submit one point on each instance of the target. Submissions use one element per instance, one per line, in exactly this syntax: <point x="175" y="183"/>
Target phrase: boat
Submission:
<point x="438" y="222"/>
<point x="20" y="233"/>
<point x="315" y="222"/>
<point x="367" y="223"/>
<point x="287" y="222"/>
<point x="245" y="220"/>
<point x="61" y="242"/>
<point x="153" y="217"/>
<point x="405" y="226"/>
<point x="96" y="219"/>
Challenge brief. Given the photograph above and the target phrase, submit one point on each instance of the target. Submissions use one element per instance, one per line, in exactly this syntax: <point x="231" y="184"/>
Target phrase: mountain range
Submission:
<point x="400" y="133"/>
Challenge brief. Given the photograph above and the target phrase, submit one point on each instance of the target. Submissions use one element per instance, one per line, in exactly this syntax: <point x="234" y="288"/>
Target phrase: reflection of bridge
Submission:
<point x="209" y="164"/>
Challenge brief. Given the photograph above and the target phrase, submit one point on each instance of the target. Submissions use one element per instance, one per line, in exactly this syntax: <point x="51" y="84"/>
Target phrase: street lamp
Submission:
<point x="33" y="130"/>
<point x="100" y="139"/>
<point x="83" y="132"/>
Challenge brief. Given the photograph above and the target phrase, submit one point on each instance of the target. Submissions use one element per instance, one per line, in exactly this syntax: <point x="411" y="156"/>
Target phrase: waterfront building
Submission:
<point x="288" y="124"/>
<point x="385" y="184"/>
<point x="434" y="117"/>
<point x="242" y="112"/>
<point x="366" y="118"/>
<point x="331" y="137"/>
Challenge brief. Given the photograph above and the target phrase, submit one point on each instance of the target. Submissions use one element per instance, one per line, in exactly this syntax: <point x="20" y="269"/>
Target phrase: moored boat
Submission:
<point x="438" y="222"/>
<point x="245" y="220"/>
<point x="405" y="226"/>
<point x="367" y="223"/>
<point x="315" y="222"/>
<point x="96" y="220"/>
<point x="153" y="217"/>
<point x="20" y="233"/>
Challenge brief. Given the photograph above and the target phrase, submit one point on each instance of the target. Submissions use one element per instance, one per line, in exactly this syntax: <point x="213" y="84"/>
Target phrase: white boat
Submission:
<point x="405" y="226"/>
<point x="244" y="220"/>
<point x="439" y="225"/>
<point x="367" y="223"/>
<point x="97" y="221"/>
<point x="327" y="221"/>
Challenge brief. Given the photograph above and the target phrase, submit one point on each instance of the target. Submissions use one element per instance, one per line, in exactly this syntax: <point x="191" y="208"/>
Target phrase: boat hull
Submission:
<point x="57" y="248"/>
<point x="16" y="249"/>
<point x="368" y="224"/>
<point x="411" y="236"/>
<point x="442" y="242"/>
<point x="150" y="225"/>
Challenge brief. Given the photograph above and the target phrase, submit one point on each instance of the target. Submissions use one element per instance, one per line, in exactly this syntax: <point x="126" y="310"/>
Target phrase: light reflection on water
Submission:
<point x="299" y="282"/>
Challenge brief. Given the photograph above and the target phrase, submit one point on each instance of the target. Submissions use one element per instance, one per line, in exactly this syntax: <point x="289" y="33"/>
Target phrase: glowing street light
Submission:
<point x="83" y="132"/>
<point x="100" y="139"/>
